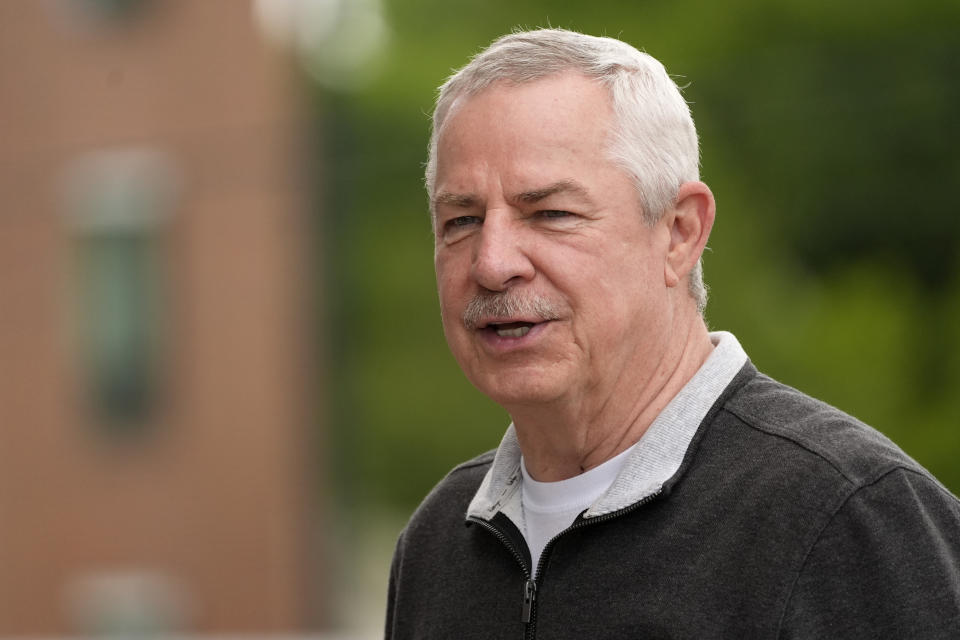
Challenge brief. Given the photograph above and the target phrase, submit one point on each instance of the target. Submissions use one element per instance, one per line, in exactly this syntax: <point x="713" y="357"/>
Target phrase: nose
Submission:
<point x="500" y="260"/>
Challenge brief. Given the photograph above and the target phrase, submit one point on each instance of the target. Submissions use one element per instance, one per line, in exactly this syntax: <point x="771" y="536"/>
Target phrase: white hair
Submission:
<point x="654" y="139"/>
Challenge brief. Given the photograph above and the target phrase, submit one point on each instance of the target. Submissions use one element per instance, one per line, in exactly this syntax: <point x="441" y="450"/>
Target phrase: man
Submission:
<point x="652" y="484"/>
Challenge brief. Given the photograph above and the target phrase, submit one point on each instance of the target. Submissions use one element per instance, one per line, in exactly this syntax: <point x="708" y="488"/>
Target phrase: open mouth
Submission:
<point x="510" y="329"/>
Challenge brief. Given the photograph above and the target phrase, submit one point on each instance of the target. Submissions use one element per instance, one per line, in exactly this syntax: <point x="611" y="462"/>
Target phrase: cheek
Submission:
<point x="453" y="279"/>
<point x="451" y="264"/>
<point x="444" y="281"/>
<point x="449" y="318"/>
<point x="623" y="292"/>
<point x="448" y="294"/>
<point x="452" y="303"/>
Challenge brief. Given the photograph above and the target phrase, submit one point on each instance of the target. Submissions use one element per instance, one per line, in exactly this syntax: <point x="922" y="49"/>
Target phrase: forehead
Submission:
<point x="565" y="87"/>
<point x="557" y="119"/>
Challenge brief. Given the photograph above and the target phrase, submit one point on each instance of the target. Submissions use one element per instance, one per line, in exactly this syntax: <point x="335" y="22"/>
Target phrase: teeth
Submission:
<point x="518" y="332"/>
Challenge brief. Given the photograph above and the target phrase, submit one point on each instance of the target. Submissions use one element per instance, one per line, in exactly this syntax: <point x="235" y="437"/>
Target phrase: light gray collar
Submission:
<point x="654" y="460"/>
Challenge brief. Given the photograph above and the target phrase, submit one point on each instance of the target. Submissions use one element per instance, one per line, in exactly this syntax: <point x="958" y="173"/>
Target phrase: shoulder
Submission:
<point x="886" y="563"/>
<point x="463" y="480"/>
<point x="448" y="500"/>
<point x="773" y="448"/>
<point x="868" y="534"/>
<point x="812" y="431"/>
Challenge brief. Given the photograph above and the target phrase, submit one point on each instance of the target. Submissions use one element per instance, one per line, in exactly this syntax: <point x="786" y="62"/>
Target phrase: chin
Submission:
<point x="519" y="388"/>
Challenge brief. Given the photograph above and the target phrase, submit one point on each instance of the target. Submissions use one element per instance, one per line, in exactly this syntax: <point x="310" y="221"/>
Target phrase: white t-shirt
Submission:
<point x="551" y="507"/>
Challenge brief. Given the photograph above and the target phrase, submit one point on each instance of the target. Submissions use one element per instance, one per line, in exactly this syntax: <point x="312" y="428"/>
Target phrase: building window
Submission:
<point x="93" y="13"/>
<point x="118" y="205"/>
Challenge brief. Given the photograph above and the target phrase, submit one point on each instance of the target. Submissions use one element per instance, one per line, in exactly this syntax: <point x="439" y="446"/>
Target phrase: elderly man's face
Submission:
<point x="541" y="243"/>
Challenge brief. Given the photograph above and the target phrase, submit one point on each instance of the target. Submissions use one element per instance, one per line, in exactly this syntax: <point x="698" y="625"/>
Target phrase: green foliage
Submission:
<point x="828" y="135"/>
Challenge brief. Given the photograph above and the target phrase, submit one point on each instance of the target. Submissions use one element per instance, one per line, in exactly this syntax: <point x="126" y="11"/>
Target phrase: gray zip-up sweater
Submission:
<point x="786" y="519"/>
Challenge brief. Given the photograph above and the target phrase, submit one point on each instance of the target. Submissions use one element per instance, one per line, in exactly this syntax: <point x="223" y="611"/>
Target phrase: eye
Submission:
<point x="459" y="227"/>
<point x="554" y="213"/>
<point x="461" y="221"/>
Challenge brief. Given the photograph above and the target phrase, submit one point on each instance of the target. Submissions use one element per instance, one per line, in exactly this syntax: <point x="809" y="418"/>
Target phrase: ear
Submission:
<point x="689" y="224"/>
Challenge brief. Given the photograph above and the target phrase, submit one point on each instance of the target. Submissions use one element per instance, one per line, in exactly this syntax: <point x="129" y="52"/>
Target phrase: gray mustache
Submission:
<point x="507" y="305"/>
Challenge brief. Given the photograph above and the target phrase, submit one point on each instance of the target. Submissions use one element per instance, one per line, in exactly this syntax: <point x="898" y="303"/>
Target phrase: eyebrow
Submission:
<point x="461" y="200"/>
<point x="467" y="200"/>
<point x="563" y="186"/>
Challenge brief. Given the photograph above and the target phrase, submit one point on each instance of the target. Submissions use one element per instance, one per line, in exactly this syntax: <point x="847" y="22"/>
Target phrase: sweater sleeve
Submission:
<point x="887" y="565"/>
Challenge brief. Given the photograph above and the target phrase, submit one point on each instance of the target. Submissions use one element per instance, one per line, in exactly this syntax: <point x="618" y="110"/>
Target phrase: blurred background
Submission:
<point x="223" y="382"/>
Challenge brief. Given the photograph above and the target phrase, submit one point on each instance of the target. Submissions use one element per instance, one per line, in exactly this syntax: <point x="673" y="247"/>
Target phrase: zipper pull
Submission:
<point x="529" y="597"/>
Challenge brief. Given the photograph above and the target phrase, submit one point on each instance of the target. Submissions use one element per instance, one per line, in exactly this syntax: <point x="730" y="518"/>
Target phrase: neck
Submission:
<point x="573" y="434"/>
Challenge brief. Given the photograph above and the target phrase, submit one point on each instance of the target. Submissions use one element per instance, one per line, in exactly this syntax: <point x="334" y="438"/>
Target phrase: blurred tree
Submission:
<point x="846" y="125"/>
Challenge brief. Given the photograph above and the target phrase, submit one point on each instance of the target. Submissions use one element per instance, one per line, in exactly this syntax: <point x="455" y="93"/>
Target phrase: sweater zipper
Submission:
<point x="529" y="611"/>
<point x="529" y="586"/>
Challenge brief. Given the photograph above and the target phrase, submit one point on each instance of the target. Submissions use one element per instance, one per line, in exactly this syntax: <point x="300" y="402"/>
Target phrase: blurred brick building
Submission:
<point x="154" y="371"/>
